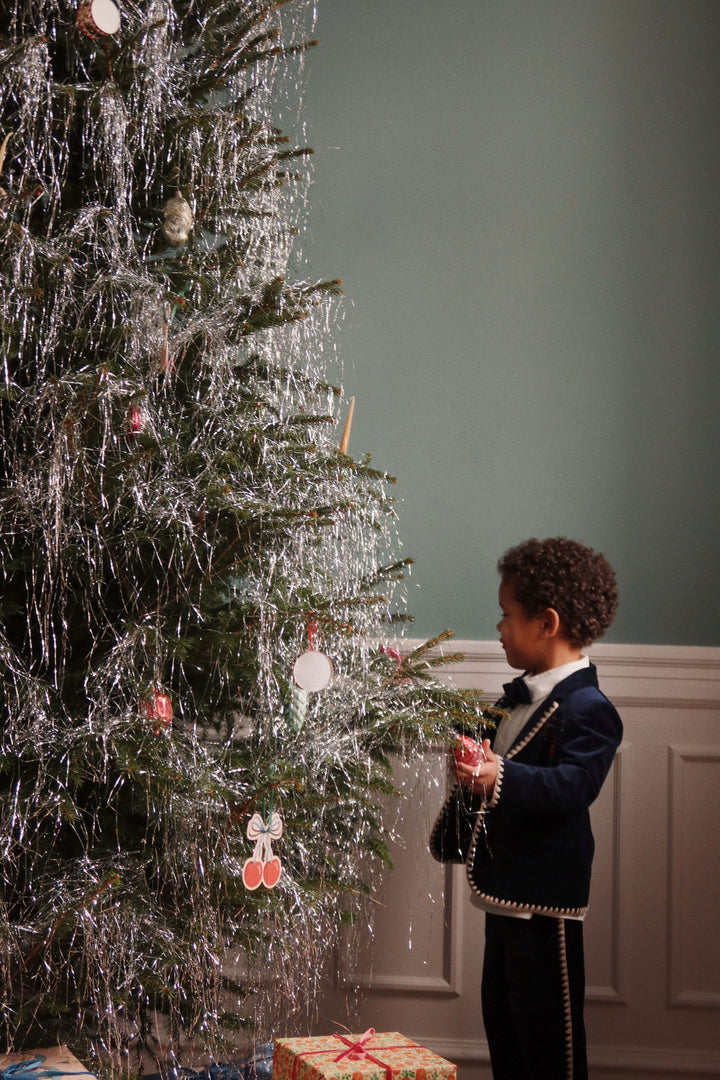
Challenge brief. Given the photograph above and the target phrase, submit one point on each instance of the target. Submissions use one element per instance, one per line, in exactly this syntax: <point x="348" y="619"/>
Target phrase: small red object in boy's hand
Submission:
<point x="467" y="752"/>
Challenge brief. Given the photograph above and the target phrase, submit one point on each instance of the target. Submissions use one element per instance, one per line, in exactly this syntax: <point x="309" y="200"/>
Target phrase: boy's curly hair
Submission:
<point x="567" y="576"/>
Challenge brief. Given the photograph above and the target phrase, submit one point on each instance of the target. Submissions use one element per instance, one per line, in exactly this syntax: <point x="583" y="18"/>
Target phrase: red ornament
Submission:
<point x="271" y="872"/>
<point x="134" y="422"/>
<point x="467" y="752"/>
<point x="159" y="709"/>
<point x="253" y="873"/>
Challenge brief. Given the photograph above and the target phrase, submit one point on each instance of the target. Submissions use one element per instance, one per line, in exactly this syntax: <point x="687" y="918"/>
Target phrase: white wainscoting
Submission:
<point x="653" y="930"/>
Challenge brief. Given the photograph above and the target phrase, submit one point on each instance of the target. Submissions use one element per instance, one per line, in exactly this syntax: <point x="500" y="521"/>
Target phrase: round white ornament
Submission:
<point x="98" y="18"/>
<point x="313" y="670"/>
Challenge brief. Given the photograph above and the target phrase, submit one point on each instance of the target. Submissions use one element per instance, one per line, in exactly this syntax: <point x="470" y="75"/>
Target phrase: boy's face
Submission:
<point x="522" y="636"/>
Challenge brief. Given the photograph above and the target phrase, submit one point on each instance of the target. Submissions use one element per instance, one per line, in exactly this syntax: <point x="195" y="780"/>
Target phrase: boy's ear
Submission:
<point x="551" y="622"/>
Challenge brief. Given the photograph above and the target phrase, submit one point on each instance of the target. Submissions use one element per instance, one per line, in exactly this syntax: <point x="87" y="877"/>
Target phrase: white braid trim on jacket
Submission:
<point x="513" y="905"/>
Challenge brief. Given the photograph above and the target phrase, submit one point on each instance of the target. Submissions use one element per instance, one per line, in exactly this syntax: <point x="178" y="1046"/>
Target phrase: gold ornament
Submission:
<point x="177" y="220"/>
<point x="3" y="150"/>
<point x="345" y="440"/>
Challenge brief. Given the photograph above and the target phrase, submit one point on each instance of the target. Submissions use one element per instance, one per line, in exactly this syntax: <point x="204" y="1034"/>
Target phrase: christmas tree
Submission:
<point x="201" y="686"/>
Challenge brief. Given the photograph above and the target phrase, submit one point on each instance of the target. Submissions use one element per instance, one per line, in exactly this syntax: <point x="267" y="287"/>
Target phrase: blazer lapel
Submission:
<point x="582" y="678"/>
<point x="535" y="724"/>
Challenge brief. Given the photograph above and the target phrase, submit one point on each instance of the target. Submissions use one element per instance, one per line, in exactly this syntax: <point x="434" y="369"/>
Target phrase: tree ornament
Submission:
<point x="313" y="670"/>
<point x="135" y="422"/>
<point x="397" y="657"/>
<point x="467" y="752"/>
<point x="345" y="440"/>
<point x="178" y="220"/>
<point x="160" y="710"/>
<point x="295" y="710"/>
<point x="98" y="18"/>
<point x="263" y="868"/>
<point x="3" y="151"/>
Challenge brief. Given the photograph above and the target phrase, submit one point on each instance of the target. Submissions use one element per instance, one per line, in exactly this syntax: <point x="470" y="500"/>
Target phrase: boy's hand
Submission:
<point x="478" y="778"/>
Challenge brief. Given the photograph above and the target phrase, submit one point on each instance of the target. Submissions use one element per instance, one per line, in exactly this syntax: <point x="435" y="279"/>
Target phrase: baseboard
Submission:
<point x="612" y="1059"/>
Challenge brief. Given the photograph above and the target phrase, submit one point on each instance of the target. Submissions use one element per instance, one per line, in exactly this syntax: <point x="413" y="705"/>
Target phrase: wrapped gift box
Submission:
<point x="385" y="1056"/>
<point x="54" y="1063"/>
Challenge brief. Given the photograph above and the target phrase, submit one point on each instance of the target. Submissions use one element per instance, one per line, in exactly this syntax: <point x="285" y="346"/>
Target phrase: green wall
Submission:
<point x="523" y="202"/>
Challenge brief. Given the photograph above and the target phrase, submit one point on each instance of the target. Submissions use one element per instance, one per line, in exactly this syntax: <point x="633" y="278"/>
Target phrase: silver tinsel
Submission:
<point x="183" y="556"/>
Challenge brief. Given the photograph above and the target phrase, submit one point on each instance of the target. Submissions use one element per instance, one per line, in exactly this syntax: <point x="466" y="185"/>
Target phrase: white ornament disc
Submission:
<point x="313" y="670"/>
<point x="98" y="17"/>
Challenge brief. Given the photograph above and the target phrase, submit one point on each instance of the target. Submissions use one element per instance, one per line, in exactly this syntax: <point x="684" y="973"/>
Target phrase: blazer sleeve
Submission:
<point x="452" y="832"/>
<point x="585" y="747"/>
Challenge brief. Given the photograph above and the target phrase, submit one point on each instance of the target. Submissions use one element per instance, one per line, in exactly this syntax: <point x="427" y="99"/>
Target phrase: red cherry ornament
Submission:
<point x="271" y="872"/>
<point x="252" y="873"/>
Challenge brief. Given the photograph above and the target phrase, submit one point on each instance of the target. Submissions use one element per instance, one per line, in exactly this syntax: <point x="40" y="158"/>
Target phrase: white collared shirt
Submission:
<point x="540" y="687"/>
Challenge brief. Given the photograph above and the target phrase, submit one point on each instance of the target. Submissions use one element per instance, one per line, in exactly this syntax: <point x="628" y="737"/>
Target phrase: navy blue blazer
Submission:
<point x="529" y="849"/>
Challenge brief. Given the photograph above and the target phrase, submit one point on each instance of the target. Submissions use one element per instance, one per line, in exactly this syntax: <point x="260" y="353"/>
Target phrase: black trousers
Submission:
<point x="533" y="992"/>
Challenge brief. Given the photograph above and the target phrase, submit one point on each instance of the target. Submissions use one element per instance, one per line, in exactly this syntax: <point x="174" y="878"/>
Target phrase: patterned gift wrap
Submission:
<point x="50" y="1064"/>
<point x="385" y="1056"/>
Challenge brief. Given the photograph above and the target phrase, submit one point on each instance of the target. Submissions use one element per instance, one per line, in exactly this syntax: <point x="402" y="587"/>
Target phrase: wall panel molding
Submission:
<point x="449" y="982"/>
<point x="631" y="675"/>
<point x="693" y="889"/>
<point x="652" y="934"/>
<point x="612" y="991"/>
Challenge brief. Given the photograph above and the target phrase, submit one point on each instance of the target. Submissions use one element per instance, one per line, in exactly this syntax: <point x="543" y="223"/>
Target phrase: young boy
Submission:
<point x="519" y="820"/>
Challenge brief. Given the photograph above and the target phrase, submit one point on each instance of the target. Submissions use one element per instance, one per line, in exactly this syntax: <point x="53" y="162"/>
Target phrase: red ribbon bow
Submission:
<point x="357" y="1049"/>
